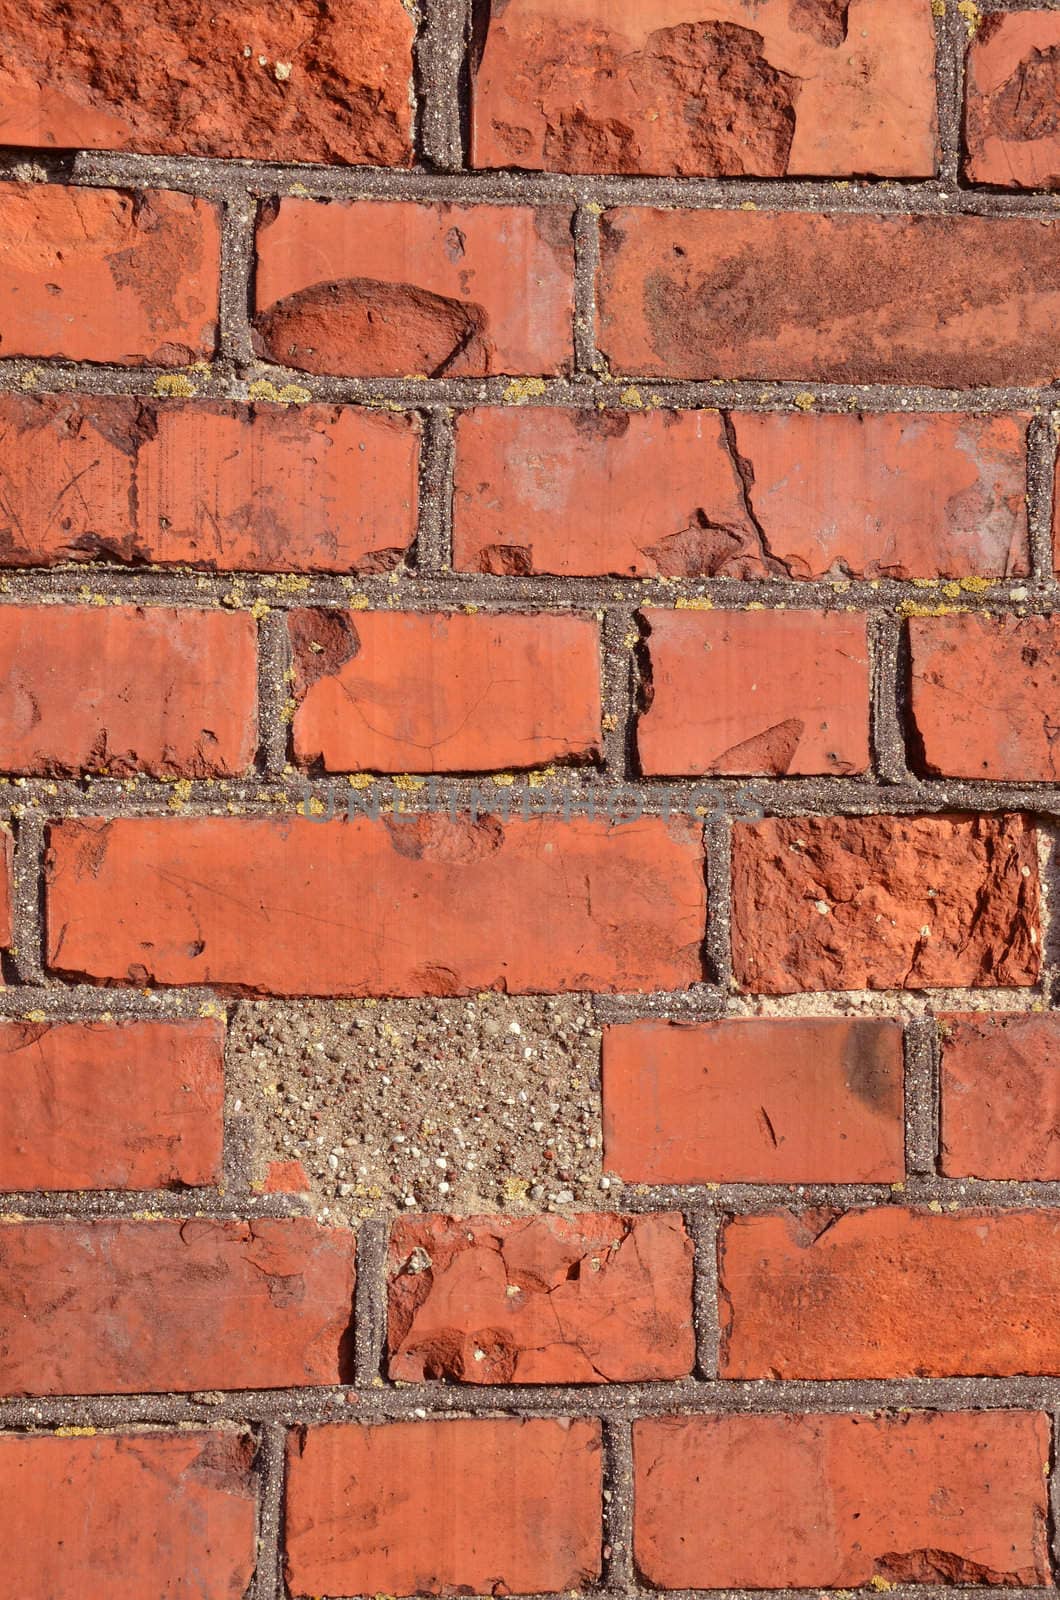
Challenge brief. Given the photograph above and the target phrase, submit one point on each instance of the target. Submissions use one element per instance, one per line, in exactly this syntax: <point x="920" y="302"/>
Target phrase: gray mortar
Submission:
<point x="258" y="1056"/>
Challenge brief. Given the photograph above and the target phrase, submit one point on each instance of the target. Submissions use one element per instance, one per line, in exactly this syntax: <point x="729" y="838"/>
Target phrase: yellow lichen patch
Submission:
<point x="538" y="780"/>
<point x="631" y="397"/>
<point x="972" y="16"/>
<point x="289" y="394"/>
<point x="938" y="8"/>
<point x="287" y="711"/>
<point x="74" y="1433"/>
<point x="181" y="794"/>
<point x="913" y="608"/>
<point x="173" y="385"/>
<point x="360" y="780"/>
<point x="503" y="780"/>
<point x="884" y="1585"/>
<point x="317" y="807"/>
<point x="34" y="1016"/>
<point x="259" y="609"/>
<point x="520" y="390"/>
<point x="609" y="722"/>
<point x="748" y="205"/>
<point x="516" y="1189"/>
<point x="210" y="1008"/>
<point x="595" y="208"/>
<point x="976" y="585"/>
<point x="31" y="377"/>
<point x="359" y="602"/>
<point x="693" y="602"/>
<point x="406" y="782"/>
<point x="805" y="400"/>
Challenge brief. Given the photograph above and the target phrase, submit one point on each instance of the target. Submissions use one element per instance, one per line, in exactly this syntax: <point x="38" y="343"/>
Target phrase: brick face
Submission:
<point x="1010" y="131"/>
<point x="440" y="1506"/>
<point x="119" y="1513"/>
<point x="1000" y="1094"/>
<point x="104" y="275"/>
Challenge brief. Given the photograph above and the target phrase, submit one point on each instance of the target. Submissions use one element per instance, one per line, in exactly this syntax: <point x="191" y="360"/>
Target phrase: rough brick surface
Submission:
<point x="416" y="905"/>
<point x="468" y="1507"/>
<point x="1011" y="129"/>
<point x="105" y="275"/>
<point x="807" y="1100"/>
<point x="104" y="1307"/>
<point x="1000" y="1090"/>
<point x="419" y="692"/>
<point x="957" y="301"/>
<point x="759" y="89"/>
<point x="915" y="1294"/>
<point x="127" y="1515"/>
<point x="985" y="696"/>
<point x="754" y="692"/>
<point x="127" y="689"/>
<point x="400" y="289"/>
<point x="755" y="495"/>
<point x="592" y="1299"/>
<point x="296" y="82"/>
<point x="884" y="903"/>
<point x="313" y="488"/>
<point x="830" y="1501"/>
<point x="97" y="1105"/>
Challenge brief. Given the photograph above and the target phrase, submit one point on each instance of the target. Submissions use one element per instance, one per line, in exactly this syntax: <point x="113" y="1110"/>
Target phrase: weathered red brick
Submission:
<point x="769" y="1502"/>
<point x="762" y="89"/>
<point x="1011" y="85"/>
<point x="309" y="488"/>
<point x="102" y="1105"/>
<point x="585" y="1299"/>
<point x="395" y="288"/>
<point x="801" y="1100"/>
<point x="985" y="696"/>
<point x="299" y="82"/>
<point x="884" y="903"/>
<point x="127" y="689"/>
<point x="101" y="1307"/>
<point x="127" y="1515"/>
<point x="1000" y="1088"/>
<point x="889" y="1293"/>
<point x="417" y="691"/>
<point x="412" y="905"/>
<point x="957" y="301"/>
<point x="106" y="275"/>
<point x="471" y="1507"/>
<point x="754" y="692"/>
<point x="754" y="495"/>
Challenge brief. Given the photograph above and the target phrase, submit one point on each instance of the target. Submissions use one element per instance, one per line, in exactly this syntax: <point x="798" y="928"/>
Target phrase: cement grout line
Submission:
<point x="434" y="538"/>
<point x="1041" y="470"/>
<point x="586" y="227"/>
<point x="703" y="1230"/>
<point x="274" y="657"/>
<point x="237" y="278"/>
<point x="441" y="85"/>
<point x="268" y="1581"/>
<point x="921" y="1098"/>
<point x="951" y="39"/>
<point x="617" y="1575"/>
<point x="620" y="685"/>
<point x="717" y="939"/>
<point x="886" y="726"/>
<point x="370" y="1319"/>
<point x="27" y="950"/>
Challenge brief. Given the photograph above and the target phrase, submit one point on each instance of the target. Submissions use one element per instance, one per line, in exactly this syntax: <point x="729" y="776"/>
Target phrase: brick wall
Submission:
<point x="538" y="498"/>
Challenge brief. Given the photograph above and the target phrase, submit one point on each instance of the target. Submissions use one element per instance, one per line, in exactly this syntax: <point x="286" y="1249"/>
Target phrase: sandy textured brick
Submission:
<point x="303" y="488"/>
<point x="397" y="289"/>
<point x="107" y="275"/>
<point x="1012" y="81"/>
<point x="884" y="903"/>
<point x="128" y="1515"/>
<point x="889" y="1293"/>
<point x="807" y="1502"/>
<point x="298" y="82"/>
<point x="586" y="1299"/>
<point x="491" y="1505"/>
<point x="745" y="495"/>
<point x="414" y="905"/>
<point x="115" y="689"/>
<point x="754" y="692"/>
<point x="985" y="697"/>
<point x="123" y="1307"/>
<point x="103" y="1105"/>
<point x="1000" y="1088"/>
<point x="767" y="89"/>
<point x="417" y="691"/>
<point x="958" y="301"/>
<point x="799" y="1100"/>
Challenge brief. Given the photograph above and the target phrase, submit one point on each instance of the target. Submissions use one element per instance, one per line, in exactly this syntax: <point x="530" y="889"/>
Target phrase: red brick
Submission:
<point x="1000" y="1085"/>
<point x="801" y="1100"/>
<point x="414" y="905"/>
<point x="493" y="1505"/>
<point x="1011" y="84"/>
<point x="310" y="488"/>
<point x="584" y="1299"/>
<point x="98" y="1105"/>
<point x="293" y="83"/>
<point x="985" y="696"/>
<point x="540" y="489"/>
<point x="884" y="903"/>
<point x="106" y="275"/>
<point x="763" y="89"/>
<point x="755" y="692"/>
<point x="957" y="301"/>
<point x="386" y="691"/>
<point x="397" y="288"/>
<point x="127" y="689"/>
<point x="129" y="1515"/>
<point x="100" y="1307"/>
<point x="769" y="1502"/>
<point x="888" y="1293"/>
